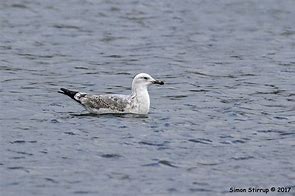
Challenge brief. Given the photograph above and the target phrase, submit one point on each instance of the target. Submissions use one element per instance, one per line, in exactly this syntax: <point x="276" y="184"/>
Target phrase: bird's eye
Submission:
<point x="145" y="78"/>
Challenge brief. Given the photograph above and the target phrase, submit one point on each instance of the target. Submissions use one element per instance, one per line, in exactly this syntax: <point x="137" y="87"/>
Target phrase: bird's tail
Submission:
<point x="69" y="93"/>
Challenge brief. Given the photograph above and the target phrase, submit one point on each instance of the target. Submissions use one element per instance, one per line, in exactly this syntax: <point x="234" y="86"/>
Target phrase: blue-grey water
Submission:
<point x="225" y="118"/>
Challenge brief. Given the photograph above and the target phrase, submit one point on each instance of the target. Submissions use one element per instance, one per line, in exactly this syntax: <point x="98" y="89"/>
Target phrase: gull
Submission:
<point x="138" y="102"/>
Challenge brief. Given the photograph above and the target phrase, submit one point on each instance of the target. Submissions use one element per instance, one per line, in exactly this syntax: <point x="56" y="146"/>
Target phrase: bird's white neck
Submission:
<point x="141" y="98"/>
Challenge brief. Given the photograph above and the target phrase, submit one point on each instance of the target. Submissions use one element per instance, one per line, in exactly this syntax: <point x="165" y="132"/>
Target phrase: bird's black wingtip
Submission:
<point x="62" y="91"/>
<point x="68" y="92"/>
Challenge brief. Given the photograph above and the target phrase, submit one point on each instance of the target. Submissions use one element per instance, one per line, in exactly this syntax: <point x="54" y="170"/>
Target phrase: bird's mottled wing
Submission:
<point x="113" y="102"/>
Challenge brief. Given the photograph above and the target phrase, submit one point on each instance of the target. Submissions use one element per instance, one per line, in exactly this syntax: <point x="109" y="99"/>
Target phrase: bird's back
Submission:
<point x="108" y="103"/>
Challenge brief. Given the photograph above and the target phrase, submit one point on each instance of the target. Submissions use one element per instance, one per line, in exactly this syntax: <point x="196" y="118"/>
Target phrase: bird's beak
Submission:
<point x="158" y="82"/>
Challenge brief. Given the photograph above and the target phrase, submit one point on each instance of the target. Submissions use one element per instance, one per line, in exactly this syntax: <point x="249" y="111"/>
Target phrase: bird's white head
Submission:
<point x="143" y="80"/>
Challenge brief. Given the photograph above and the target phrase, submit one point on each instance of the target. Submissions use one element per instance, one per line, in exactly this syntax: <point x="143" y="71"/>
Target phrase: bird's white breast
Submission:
<point x="141" y="102"/>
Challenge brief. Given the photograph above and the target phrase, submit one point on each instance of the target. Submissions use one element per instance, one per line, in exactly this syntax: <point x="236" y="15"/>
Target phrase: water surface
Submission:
<point x="225" y="117"/>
